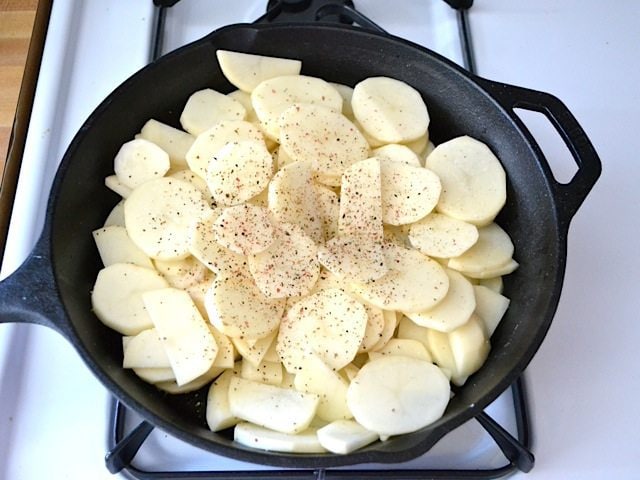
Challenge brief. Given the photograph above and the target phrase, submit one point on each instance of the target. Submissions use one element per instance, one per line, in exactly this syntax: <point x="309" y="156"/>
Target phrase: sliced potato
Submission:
<point x="145" y="350"/>
<point x="182" y="273"/>
<point x="289" y="267"/>
<point x="361" y="201"/>
<point x="390" y="110"/>
<point x="115" y="246"/>
<point x="207" y="107"/>
<point x="345" y="436"/>
<point x="173" y="388"/>
<point x="160" y="214"/>
<point x="492" y="283"/>
<point x="198" y="182"/>
<point x="346" y="92"/>
<point x="244" y="229"/>
<point x="115" y="185"/>
<point x="225" y="358"/>
<point x="455" y="308"/>
<point x="255" y="436"/>
<point x="116" y="215"/>
<point x="473" y="180"/>
<point x="395" y="394"/>
<point x="441" y="236"/>
<point x="246" y="71"/>
<point x="390" y="324"/>
<point x="490" y="307"/>
<point x="397" y="153"/>
<point x="197" y="292"/>
<point x="116" y="297"/>
<point x="409" y="330"/>
<point x="279" y="409"/>
<point x="419" y="145"/>
<point x="492" y="250"/>
<point x="206" y="146"/>
<point x="219" y="414"/>
<point x="407" y="347"/>
<point x="237" y="308"/>
<point x="269" y="373"/>
<point x="353" y="258"/>
<point x="408" y="193"/>
<point x="324" y="136"/>
<point x="292" y="198"/>
<point x="155" y="375"/>
<point x="173" y="141"/>
<point x="469" y="347"/>
<point x="273" y="96"/>
<point x="500" y="270"/>
<point x="139" y="161"/>
<point x="440" y="350"/>
<point x="328" y="204"/>
<point x="186" y="337"/>
<point x="414" y="282"/>
<point x="256" y="352"/>
<point x="374" y="330"/>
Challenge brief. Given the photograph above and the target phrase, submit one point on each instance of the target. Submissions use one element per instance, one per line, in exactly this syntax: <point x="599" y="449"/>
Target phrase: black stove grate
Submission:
<point x="124" y="445"/>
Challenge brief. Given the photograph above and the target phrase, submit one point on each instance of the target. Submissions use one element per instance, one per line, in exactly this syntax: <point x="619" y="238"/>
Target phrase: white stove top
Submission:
<point x="53" y="412"/>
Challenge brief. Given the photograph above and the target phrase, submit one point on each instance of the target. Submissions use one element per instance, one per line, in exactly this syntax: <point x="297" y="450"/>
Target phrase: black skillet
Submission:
<point x="52" y="287"/>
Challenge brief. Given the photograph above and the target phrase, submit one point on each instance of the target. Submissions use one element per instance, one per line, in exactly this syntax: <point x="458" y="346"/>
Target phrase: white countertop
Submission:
<point x="583" y="380"/>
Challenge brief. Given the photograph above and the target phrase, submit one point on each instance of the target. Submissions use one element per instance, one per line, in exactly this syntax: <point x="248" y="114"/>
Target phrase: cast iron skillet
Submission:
<point x="52" y="287"/>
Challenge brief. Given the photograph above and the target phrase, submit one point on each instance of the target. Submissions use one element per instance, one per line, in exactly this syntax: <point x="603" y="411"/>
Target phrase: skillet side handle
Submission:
<point x="29" y="294"/>
<point x="571" y="194"/>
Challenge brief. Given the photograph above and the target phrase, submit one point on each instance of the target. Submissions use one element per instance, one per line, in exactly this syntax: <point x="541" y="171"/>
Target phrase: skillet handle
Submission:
<point x="570" y="195"/>
<point x="30" y="295"/>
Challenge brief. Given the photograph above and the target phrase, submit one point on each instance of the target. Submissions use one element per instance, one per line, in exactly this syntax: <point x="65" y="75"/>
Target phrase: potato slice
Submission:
<point x="324" y="136"/>
<point x="116" y="297"/>
<point x="346" y="92"/>
<point x="469" y="347"/>
<point x="115" y="185"/>
<point x="244" y="229"/>
<point x="173" y="141"/>
<point x="408" y="193"/>
<point x="115" y="246"/>
<point x="390" y="110"/>
<point x="186" y="337"/>
<point x="500" y="270"/>
<point x="207" y="107"/>
<point x="225" y="358"/>
<point x="246" y="71"/>
<point x="204" y="247"/>
<point x="182" y="273"/>
<point x="256" y="352"/>
<point x="173" y="388"/>
<point x="353" y="258"/>
<point x="395" y="394"/>
<point x="207" y="145"/>
<point x="414" y="282"/>
<point x="492" y="283"/>
<point x="441" y="236"/>
<point x="155" y="375"/>
<point x="390" y="324"/>
<point x="254" y="436"/>
<point x="219" y="416"/>
<point x="273" y="96"/>
<point x="419" y="146"/>
<point x="279" y="409"/>
<point x="361" y="201"/>
<point x="269" y="373"/>
<point x="316" y="377"/>
<point x="374" y="330"/>
<point x="292" y="198"/>
<point x="159" y="215"/>
<point x="145" y="350"/>
<point x="237" y="308"/>
<point x="409" y="330"/>
<point x="116" y="215"/>
<point x="455" y="308"/>
<point x="440" y="350"/>
<point x="473" y="180"/>
<point x="329" y="324"/>
<point x="345" y="436"/>
<point x="492" y="250"/>
<point x="397" y="153"/>
<point x="198" y="182"/>
<point x="403" y="346"/>
<point x="241" y="170"/>
<point x="289" y="267"/>
<point x="197" y="292"/>
<point x="490" y="307"/>
<point x="139" y="161"/>
<point x="328" y="205"/>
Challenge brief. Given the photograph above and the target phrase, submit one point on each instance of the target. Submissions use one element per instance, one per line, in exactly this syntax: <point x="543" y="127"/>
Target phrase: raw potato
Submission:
<point x="328" y="204"/>
<point x="390" y="110"/>
<point x="324" y="136"/>
<point x="345" y="436"/>
<point x="246" y="71"/>
<point x="414" y="282"/>
<point x="183" y="273"/>
<point x="219" y="414"/>
<point x="408" y="193"/>
<point x="241" y="170"/>
<point x="269" y="373"/>
<point x="361" y="201"/>
<point x="254" y="436"/>
<point x="455" y="308"/>
<point x="196" y="181"/>
<point x="397" y="153"/>
<point x="473" y="180"/>
<point x="492" y="250"/>
<point x="279" y="409"/>
<point x="187" y="340"/>
<point x="159" y="215"/>
<point x="346" y="92"/>
<point x="173" y="388"/>
<point x="329" y="324"/>
<point x="419" y="145"/>
<point x="273" y="96"/>
<point x="207" y="145"/>
<point x="374" y="329"/>
<point x="408" y="330"/>
<point x="395" y="394"/>
<point x="244" y="229"/>
<point x="257" y="352"/>
<point x="237" y="308"/>
<point x="117" y="297"/>
<point x="490" y="307"/>
<point x="469" y="347"/>
<point x="438" y="235"/>
<point x="406" y="347"/>
<point x="115" y="185"/>
<point x="492" y="283"/>
<point x="173" y="141"/>
<point x="503" y="269"/>
<point x="145" y="350"/>
<point x="116" y="216"/>
<point x="289" y="267"/>
<point x="353" y="258"/>
<point x="115" y="246"/>
<point x="390" y="324"/>
<point x="139" y="161"/>
<point x="207" y="107"/>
